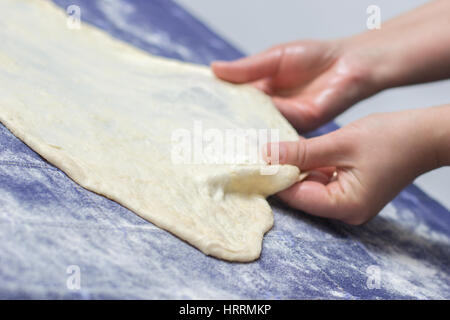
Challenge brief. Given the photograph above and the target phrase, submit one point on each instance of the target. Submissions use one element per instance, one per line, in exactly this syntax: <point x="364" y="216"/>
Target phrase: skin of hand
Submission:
<point x="311" y="82"/>
<point x="371" y="168"/>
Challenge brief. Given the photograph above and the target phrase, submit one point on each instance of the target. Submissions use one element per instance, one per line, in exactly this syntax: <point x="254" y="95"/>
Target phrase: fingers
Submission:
<point x="265" y="85"/>
<point x="251" y="68"/>
<point x="330" y="150"/>
<point x="318" y="176"/>
<point x="323" y="98"/>
<point x="316" y="198"/>
<point x="301" y="114"/>
<point x="313" y="106"/>
<point x="328" y="171"/>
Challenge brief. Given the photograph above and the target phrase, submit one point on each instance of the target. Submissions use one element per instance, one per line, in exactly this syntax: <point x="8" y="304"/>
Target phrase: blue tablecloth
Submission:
<point x="51" y="228"/>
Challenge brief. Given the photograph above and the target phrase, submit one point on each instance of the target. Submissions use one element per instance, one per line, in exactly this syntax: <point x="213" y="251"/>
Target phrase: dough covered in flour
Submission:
<point x="105" y="113"/>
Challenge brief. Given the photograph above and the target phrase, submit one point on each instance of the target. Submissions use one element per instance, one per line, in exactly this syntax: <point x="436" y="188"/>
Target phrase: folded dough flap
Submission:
<point x="251" y="179"/>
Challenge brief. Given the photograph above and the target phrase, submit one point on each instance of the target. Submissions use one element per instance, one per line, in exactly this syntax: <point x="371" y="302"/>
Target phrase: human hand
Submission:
<point x="310" y="82"/>
<point x="375" y="158"/>
<point x="313" y="81"/>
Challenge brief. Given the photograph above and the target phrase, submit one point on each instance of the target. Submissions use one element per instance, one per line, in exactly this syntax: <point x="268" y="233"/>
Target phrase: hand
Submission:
<point x="374" y="158"/>
<point x="313" y="81"/>
<point x="310" y="82"/>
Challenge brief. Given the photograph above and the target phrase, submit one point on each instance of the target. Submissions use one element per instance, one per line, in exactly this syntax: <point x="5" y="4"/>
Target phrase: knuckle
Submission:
<point x="353" y="136"/>
<point x="301" y="154"/>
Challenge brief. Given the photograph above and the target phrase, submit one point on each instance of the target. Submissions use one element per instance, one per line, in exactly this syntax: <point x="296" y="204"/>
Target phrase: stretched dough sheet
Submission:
<point x="105" y="113"/>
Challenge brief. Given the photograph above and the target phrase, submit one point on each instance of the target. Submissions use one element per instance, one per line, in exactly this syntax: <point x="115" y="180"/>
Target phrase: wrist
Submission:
<point x="369" y="56"/>
<point x="439" y="124"/>
<point x="432" y="138"/>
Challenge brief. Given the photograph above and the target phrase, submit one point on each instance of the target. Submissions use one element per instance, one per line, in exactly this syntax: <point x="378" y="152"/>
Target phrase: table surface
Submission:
<point x="50" y="224"/>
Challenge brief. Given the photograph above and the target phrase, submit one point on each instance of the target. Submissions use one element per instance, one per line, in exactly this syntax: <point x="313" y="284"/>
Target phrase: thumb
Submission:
<point x="329" y="150"/>
<point x="251" y="68"/>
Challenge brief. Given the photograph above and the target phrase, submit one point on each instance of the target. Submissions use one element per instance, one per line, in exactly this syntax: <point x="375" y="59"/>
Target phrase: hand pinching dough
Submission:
<point x="106" y="113"/>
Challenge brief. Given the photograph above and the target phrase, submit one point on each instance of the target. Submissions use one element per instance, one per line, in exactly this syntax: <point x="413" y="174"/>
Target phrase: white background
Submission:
<point x="254" y="25"/>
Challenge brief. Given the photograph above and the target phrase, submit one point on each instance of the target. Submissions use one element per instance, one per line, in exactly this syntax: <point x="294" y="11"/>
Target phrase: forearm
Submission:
<point x="426" y="135"/>
<point x="438" y="123"/>
<point x="412" y="48"/>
